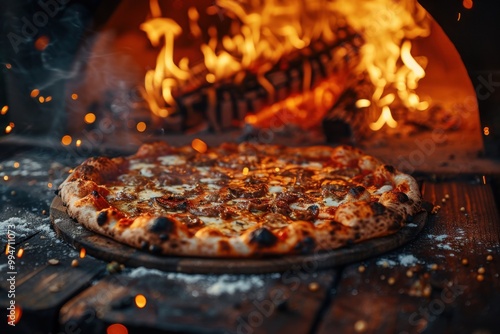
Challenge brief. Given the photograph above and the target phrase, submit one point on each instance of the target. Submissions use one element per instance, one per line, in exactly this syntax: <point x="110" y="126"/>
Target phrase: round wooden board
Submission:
<point x="109" y="250"/>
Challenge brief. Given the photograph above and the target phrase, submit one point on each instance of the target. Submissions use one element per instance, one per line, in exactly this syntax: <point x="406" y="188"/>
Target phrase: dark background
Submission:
<point x="476" y="36"/>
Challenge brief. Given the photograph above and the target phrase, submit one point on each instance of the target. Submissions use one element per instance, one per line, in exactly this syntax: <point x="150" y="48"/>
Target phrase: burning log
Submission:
<point x="312" y="80"/>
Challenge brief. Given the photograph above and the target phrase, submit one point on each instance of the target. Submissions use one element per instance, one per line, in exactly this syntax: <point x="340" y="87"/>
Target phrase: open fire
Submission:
<point x="262" y="36"/>
<point x="226" y="70"/>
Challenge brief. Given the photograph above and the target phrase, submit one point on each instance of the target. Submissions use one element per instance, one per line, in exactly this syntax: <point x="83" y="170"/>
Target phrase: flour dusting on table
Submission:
<point x="213" y="285"/>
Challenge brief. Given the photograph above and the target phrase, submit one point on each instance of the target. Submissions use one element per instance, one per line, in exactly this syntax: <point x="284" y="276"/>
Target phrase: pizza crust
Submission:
<point x="295" y="200"/>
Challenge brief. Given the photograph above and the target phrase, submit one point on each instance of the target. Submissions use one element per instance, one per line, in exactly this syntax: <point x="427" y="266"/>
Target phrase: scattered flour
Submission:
<point x="231" y="284"/>
<point x="405" y="260"/>
<point x="23" y="227"/>
<point x="214" y="285"/>
<point x="444" y="246"/>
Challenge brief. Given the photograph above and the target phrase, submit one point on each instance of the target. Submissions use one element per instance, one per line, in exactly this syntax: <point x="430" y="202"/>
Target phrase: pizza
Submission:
<point x="240" y="200"/>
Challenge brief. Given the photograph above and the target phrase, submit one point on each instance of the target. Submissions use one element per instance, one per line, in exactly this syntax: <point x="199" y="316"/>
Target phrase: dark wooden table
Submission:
<point x="444" y="281"/>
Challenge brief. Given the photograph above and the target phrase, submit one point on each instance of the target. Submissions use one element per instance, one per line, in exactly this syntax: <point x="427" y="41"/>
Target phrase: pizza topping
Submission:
<point x="172" y="203"/>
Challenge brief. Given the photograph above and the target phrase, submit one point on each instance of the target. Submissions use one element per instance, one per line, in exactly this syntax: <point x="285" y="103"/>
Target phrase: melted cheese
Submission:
<point x="171" y="160"/>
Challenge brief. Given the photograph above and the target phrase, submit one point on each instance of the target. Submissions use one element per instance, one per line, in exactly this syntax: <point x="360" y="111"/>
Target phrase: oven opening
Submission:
<point x="381" y="75"/>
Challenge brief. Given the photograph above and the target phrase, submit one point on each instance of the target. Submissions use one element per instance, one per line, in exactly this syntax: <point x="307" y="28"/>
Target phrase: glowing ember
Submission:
<point x="4" y="110"/>
<point x="199" y="145"/>
<point x="66" y="140"/>
<point x="17" y="315"/>
<point x="140" y="301"/>
<point x="83" y="252"/>
<point x="141" y="126"/>
<point x="89" y="118"/>
<point x="49" y="185"/>
<point x="42" y="42"/>
<point x="467" y="4"/>
<point x="78" y="142"/>
<point x="34" y="93"/>
<point x="41" y="99"/>
<point x="16" y="164"/>
<point x="116" y="329"/>
<point x="48" y="99"/>
<point x="20" y="252"/>
<point x="486" y="131"/>
<point x="74" y="96"/>
<point x="245" y="171"/>
<point x="8" y="129"/>
<point x="7" y="249"/>
<point x="8" y="66"/>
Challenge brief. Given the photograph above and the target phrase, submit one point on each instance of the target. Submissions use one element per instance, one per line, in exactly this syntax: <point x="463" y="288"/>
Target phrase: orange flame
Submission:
<point x="264" y="32"/>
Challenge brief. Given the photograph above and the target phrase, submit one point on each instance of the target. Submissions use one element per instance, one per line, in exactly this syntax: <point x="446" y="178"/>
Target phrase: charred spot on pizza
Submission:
<point x="144" y="245"/>
<point x="313" y="210"/>
<point x="402" y="197"/>
<point x="378" y="208"/>
<point x="390" y="169"/>
<point x="95" y="193"/>
<point x="161" y="224"/>
<point x="163" y="237"/>
<point x="305" y="246"/>
<point x="155" y="249"/>
<point x="263" y="237"/>
<point x="224" y="246"/>
<point x="357" y="191"/>
<point x="102" y="218"/>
